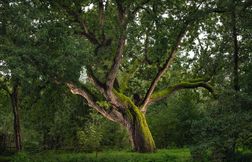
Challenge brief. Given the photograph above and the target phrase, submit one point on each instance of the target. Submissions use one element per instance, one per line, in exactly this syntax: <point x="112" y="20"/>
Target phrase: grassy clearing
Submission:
<point x="168" y="155"/>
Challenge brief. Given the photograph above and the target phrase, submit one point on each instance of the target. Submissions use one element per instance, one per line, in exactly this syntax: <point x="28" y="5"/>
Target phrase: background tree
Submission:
<point x="218" y="134"/>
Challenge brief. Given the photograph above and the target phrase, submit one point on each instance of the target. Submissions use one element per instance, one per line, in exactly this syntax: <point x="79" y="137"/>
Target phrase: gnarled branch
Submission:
<point x="191" y="18"/>
<point x="164" y="68"/>
<point x="117" y="61"/>
<point x="90" y="100"/>
<point x="157" y="96"/>
<point x="120" y="47"/>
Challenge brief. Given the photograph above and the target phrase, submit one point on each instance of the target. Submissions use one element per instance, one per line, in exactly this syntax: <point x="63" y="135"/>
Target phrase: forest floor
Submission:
<point x="164" y="155"/>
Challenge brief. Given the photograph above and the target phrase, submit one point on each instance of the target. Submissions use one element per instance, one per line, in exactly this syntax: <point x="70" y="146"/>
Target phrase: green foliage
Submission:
<point x="46" y="122"/>
<point x="114" y="136"/>
<point x="98" y="134"/>
<point x="171" y="121"/>
<point x="52" y="119"/>
<point x="89" y="138"/>
<point x="21" y="157"/>
<point x="224" y="128"/>
<point x="5" y="111"/>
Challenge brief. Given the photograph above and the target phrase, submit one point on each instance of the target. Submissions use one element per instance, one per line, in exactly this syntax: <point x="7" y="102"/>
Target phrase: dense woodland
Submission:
<point x="97" y="75"/>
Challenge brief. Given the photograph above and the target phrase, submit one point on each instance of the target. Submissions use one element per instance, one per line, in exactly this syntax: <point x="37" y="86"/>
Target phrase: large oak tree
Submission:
<point x="113" y="28"/>
<point x="126" y="51"/>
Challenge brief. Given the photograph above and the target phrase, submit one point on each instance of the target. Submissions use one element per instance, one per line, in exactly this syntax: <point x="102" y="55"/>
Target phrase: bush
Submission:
<point x="225" y="127"/>
<point x="199" y="154"/>
<point x="99" y="133"/>
<point x="170" y="122"/>
<point x="89" y="138"/>
<point x="20" y="157"/>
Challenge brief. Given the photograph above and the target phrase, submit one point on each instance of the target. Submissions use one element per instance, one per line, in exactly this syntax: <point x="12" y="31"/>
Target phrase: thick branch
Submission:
<point x="193" y="16"/>
<point x="157" y="96"/>
<point x="120" y="47"/>
<point x="164" y="68"/>
<point x="90" y="101"/>
<point x="117" y="61"/>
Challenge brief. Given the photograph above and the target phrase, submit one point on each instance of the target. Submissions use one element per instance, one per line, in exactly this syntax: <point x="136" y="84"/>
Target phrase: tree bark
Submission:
<point x="16" y="122"/>
<point x="236" y="50"/>
<point x="127" y="114"/>
<point x="139" y="132"/>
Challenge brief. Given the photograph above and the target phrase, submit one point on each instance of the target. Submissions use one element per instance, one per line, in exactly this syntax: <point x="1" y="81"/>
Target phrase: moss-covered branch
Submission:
<point x="90" y="101"/>
<point x="125" y="100"/>
<point x="156" y="96"/>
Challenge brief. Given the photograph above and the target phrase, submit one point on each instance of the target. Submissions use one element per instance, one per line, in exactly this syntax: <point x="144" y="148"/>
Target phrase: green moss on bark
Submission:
<point x="138" y="121"/>
<point x="183" y="85"/>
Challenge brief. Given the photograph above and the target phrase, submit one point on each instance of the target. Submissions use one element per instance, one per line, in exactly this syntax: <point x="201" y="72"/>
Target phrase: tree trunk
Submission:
<point x="141" y="137"/>
<point x="236" y="50"/>
<point x="128" y="115"/>
<point x="16" y="122"/>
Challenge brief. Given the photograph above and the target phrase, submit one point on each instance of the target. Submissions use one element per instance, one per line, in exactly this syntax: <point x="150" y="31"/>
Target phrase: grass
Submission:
<point x="5" y="158"/>
<point x="165" y="155"/>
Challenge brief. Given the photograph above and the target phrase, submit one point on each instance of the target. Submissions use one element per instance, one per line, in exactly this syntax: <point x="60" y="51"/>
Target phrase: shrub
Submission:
<point x="90" y="137"/>
<point x="20" y="157"/>
<point x="225" y="127"/>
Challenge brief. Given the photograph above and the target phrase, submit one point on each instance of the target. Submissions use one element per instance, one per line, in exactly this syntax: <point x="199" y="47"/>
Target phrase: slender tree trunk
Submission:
<point x="236" y="50"/>
<point x="141" y="137"/>
<point x="16" y="122"/>
<point x="13" y="96"/>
